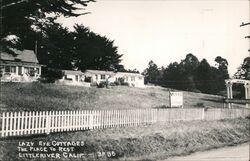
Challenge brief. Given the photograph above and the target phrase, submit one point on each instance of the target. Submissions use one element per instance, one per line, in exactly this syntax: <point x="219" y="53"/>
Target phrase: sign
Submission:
<point x="176" y="99"/>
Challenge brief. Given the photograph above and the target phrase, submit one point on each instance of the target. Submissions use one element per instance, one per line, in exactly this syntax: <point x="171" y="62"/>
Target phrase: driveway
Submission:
<point x="234" y="153"/>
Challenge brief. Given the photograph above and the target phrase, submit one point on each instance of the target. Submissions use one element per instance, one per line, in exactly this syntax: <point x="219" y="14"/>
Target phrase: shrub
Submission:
<point x="125" y="84"/>
<point x="51" y="75"/>
<point x="102" y="85"/>
<point x="121" y="81"/>
<point x="112" y="84"/>
<point x="117" y="83"/>
<point x="196" y="91"/>
<point x="200" y="104"/>
<point x="163" y="106"/>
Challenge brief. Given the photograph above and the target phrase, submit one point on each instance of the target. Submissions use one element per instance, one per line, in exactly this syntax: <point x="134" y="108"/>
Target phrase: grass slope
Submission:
<point x="147" y="142"/>
<point x="37" y="96"/>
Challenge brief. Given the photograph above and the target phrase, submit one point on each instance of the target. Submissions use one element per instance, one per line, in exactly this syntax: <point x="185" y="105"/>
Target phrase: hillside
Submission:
<point x="37" y="96"/>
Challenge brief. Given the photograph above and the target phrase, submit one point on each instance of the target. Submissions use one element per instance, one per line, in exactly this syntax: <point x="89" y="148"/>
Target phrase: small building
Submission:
<point x="72" y="77"/>
<point x="20" y="66"/>
<point x="97" y="76"/>
<point x="131" y="79"/>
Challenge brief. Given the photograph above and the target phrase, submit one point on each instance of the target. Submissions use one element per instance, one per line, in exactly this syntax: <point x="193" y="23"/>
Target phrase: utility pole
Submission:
<point x="36" y="56"/>
<point x="247" y="37"/>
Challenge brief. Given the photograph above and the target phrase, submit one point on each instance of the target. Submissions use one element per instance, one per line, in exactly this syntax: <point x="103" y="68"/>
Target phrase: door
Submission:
<point x="19" y="70"/>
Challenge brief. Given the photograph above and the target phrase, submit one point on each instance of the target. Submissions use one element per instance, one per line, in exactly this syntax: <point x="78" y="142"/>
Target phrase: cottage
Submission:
<point x="72" y="77"/>
<point x="21" y="66"/>
<point x="97" y="76"/>
<point x="132" y="79"/>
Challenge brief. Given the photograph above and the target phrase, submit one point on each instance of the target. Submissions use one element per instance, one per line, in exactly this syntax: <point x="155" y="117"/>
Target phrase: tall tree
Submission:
<point x="172" y="76"/>
<point x="94" y="51"/>
<point x="152" y="73"/>
<point x="203" y="77"/>
<point x="188" y="66"/>
<point x="222" y="65"/>
<point x="19" y="17"/>
<point x="56" y="47"/>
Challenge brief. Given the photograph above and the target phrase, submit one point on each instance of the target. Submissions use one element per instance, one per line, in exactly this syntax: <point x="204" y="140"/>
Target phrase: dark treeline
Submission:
<point x="190" y="74"/>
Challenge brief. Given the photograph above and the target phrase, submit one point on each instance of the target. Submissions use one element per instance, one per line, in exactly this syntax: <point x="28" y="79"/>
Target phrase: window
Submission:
<point x="30" y="71"/>
<point x="140" y="78"/>
<point x="37" y="71"/>
<point x="13" y="69"/>
<point x="7" y="69"/>
<point x="96" y="77"/>
<point x="26" y="70"/>
<point x="102" y="76"/>
<point x="132" y="78"/>
<point x="19" y="70"/>
<point x="68" y="78"/>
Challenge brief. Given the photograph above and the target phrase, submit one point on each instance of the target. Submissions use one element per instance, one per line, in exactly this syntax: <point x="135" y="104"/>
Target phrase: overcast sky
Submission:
<point x="166" y="30"/>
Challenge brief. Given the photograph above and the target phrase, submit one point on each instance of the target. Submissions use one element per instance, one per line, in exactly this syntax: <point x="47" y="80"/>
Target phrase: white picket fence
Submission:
<point x="27" y="123"/>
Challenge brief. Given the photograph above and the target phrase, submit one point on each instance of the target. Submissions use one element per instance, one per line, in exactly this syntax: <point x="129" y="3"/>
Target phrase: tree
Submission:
<point x="93" y="51"/>
<point x="56" y="47"/>
<point x="192" y="75"/>
<point x="172" y="76"/>
<point x="243" y="71"/>
<point x="151" y="73"/>
<point x="190" y="63"/>
<point x="203" y="77"/>
<point x="188" y="67"/>
<point x="222" y="65"/>
<point x="80" y="49"/>
<point x="19" y="17"/>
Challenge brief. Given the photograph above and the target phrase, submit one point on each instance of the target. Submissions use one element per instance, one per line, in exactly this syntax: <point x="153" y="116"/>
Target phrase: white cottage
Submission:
<point x="72" y="77"/>
<point x="132" y="79"/>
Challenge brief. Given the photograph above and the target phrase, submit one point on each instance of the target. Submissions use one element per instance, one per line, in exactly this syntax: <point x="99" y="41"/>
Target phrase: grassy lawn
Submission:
<point x="147" y="142"/>
<point x="37" y="96"/>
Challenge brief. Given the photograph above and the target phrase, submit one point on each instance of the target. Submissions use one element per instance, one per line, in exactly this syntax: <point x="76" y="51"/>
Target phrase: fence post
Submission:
<point x="91" y="119"/>
<point x="3" y="124"/>
<point x="203" y="114"/>
<point x="48" y="122"/>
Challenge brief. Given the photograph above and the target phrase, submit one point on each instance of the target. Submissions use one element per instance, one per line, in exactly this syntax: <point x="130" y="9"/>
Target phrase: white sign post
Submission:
<point x="175" y="99"/>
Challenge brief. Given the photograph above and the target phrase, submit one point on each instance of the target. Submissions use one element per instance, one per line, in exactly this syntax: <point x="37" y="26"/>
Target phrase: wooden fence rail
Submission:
<point x="27" y="123"/>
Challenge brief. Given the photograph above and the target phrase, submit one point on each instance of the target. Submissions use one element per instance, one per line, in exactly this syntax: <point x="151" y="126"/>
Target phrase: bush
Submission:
<point x="117" y="83"/>
<point x="125" y="84"/>
<point x="112" y="84"/>
<point x="196" y="91"/>
<point x="102" y="85"/>
<point x="51" y="75"/>
<point x="200" y="104"/>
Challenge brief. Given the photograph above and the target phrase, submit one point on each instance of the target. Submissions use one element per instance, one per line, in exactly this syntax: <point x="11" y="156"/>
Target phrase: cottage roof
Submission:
<point x="99" y="72"/>
<point x="129" y="74"/>
<point x="72" y="72"/>
<point x="24" y="56"/>
<point x="113" y="73"/>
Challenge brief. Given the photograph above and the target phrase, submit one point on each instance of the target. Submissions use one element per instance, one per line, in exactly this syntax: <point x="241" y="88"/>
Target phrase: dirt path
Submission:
<point x="235" y="153"/>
